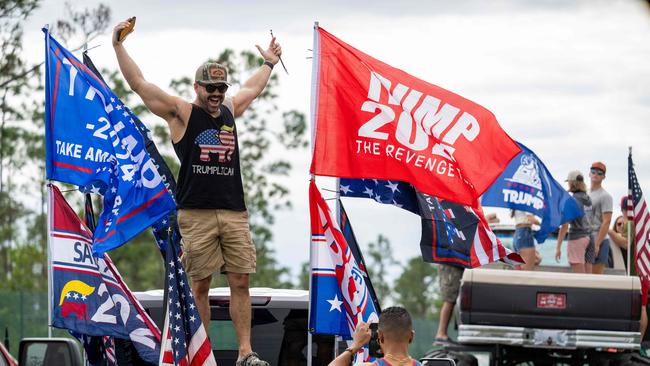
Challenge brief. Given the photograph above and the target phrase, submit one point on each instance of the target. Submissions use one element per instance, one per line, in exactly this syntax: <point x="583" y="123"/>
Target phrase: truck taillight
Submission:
<point x="466" y="296"/>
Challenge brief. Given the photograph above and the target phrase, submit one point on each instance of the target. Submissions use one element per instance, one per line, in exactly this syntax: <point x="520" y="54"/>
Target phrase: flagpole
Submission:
<point x="49" y="196"/>
<point x="314" y="110"/>
<point x="49" y="258"/>
<point x="627" y="213"/>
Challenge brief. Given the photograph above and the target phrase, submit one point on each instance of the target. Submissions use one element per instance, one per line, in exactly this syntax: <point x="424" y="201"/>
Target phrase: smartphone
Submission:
<point x="128" y="29"/>
<point x="373" y="345"/>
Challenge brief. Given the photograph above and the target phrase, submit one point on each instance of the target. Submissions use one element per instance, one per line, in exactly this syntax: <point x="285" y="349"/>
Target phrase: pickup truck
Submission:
<point x="279" y="334"/>
<point x="549" y="315"/>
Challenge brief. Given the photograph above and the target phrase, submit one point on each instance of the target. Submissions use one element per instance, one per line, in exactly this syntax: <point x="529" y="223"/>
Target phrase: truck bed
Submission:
<point x="534" y="308"/>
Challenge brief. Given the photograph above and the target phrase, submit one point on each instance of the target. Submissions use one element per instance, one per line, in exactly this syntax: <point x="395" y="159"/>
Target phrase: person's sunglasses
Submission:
<point x="597" y="172"/>
<point x="211" y="88"/>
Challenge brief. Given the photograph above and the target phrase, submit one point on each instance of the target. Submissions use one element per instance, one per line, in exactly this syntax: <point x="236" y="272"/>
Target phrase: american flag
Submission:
<point x="208" y="141"/>
<point x="186" y="342"/>
<point x="221" y="143"/>
<point x="641" y="224"/>
<point x="227" y="145"/>
<point x="109" y="350"/>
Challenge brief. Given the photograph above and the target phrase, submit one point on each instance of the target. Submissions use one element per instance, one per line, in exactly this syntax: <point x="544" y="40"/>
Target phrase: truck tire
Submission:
<point x="461" y="359"/>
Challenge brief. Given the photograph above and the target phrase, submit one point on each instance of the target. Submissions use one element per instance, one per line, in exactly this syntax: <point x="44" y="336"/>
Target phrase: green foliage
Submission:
<point x="416" y="288"/>
<point x="140" y="263"/>
<point x="16" y="85"/>
<point x="303" y="278"/>
<point x="86" y="23"/>
<point x="23" y="237"/>
<point x="28" y="268"/>
<point x="379" y="259"/>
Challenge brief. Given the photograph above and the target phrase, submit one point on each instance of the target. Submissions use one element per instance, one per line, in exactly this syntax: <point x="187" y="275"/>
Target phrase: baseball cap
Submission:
<point x="211" y="73"/>
<point x="624" y="202"/>
<point x="575" y="175"/>
<point x="599" y="165"/>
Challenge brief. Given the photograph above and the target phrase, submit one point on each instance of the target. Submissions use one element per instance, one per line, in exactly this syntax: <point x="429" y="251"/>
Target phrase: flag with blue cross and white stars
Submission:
<point x="390" y="192"/>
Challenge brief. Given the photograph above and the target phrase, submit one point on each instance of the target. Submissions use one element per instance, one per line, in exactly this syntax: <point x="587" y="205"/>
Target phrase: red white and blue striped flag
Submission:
<point x="186" y="342"/>
<point x="641" y="218"/>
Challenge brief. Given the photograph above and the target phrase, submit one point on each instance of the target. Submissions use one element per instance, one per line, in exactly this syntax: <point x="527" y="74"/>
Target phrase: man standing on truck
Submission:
<point x="600" y="216"/>
<point x="212" y="214"/>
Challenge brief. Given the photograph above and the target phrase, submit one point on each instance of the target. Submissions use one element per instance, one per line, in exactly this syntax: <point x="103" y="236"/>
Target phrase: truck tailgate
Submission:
<point x="550" y="300"/>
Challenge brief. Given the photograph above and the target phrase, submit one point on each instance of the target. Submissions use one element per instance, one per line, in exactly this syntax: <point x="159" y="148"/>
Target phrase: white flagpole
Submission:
<point x="315" y="64"/>
<point x="50" y="217"/>
<point x="50" y="222"/>
<point x="627" y="214"/>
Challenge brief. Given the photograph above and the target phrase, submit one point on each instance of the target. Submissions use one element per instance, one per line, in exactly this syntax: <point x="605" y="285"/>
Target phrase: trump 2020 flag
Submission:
<point x="527" y="185"/>
<point x="372" y="120"/>
<point x="92" y="142"/>
<point x="339" y="296"/>
<point x="88" y="294"/>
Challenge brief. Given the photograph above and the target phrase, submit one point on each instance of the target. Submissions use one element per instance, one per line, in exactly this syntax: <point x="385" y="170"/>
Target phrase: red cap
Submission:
<point x="599" y="165"/>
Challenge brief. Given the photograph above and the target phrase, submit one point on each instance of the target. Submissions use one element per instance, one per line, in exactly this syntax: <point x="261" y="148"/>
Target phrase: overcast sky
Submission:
<point x="569" y="79"/>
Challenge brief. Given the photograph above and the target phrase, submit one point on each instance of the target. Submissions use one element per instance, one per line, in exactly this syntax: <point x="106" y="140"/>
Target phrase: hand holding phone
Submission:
<point x="126" y="30"/>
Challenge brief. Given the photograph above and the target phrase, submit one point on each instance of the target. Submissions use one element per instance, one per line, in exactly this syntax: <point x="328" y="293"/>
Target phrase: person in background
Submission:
<point x="579" y="229"/>
<point x="395" y="334"/>
<point x="449" y="278"/>
<point x="618" y="251"/>
<point x="523" y="241"/>
<point x="618" y="233"/>
<point x="600" y="216"/>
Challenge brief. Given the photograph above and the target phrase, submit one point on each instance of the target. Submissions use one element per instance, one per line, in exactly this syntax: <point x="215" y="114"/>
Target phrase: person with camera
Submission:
<point x="394" y="334"/>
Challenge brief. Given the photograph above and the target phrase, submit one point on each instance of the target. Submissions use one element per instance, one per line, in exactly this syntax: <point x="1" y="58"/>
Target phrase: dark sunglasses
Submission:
<point x="619" y="223"/>
<point x="211" y="88"/>
<point x="597" y="172"/>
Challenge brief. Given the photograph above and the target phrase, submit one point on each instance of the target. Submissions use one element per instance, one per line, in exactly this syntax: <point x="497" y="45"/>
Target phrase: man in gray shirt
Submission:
<point x="600" y="216"/>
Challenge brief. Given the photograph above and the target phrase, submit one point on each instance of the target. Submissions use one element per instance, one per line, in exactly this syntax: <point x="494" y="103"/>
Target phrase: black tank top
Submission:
<point x="210" y="175"/>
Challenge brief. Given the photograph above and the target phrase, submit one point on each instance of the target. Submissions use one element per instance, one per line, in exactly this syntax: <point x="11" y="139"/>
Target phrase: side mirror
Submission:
<point x="437" y="362"/>
<point x="49" y="351"/>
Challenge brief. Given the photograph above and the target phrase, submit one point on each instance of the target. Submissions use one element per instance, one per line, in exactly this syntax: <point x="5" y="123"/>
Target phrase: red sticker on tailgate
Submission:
<point x="551" y="301"/>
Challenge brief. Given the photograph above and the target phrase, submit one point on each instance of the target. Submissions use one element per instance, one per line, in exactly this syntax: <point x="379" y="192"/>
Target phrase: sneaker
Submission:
<point x="446" y="341"/>
<point x="251" y="359"/>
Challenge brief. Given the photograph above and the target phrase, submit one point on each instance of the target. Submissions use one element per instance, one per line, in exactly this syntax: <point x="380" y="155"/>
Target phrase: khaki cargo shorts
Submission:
<point x="216" y="240"/>
<point x="450" y="277"/>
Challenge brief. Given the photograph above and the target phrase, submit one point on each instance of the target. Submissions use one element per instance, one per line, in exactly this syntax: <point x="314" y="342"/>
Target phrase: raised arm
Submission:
<point x="256" y="83"/>
<point x="168" y="107"/>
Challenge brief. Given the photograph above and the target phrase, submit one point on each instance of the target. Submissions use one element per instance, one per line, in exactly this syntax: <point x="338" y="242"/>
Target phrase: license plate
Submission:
<point x="551" y="301"/>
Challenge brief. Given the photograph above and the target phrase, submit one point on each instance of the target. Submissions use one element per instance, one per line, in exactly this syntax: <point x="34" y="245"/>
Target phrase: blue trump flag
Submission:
<point x="92" y="141"/>
<point x="527" y="185"/>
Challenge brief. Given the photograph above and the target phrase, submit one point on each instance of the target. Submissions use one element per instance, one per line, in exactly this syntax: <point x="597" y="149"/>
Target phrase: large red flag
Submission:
<point x="375" y="121"/>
